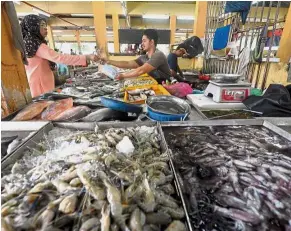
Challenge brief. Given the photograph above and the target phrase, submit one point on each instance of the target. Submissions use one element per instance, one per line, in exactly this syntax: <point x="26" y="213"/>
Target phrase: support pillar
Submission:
<point x="100" y="24"/>
<point x="78" y="41"/>
<point x="50" y="37"/>
<point x="173" y="23"/>
<point x="15" y="91"/>
<point x="284" y="51"/>
<point x="200" y="19"/>
<point x="115" y="22"/>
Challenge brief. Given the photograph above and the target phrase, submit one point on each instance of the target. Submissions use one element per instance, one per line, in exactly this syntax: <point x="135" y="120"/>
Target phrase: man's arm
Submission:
<point x="123" y="64"/>
<point x="173" y="73"/>
<point x="180" y="72"/>
<point x="145" y="68"/>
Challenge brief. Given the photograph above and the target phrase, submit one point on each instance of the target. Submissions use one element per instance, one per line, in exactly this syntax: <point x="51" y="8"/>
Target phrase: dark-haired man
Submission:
<point x="154" y="62"/>
<point x="173" y="63"/>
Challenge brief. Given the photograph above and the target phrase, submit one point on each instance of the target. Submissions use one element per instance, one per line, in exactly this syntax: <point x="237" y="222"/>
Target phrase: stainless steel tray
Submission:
<point x="200" y="123"/>
<point x="281" y="122"/>
<point x="21" y="129"/>
<point x="91" y="126"/>
<point x="225" y="78"/>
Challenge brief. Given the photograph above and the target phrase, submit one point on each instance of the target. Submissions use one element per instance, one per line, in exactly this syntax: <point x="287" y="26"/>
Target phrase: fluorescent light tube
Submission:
<point x="41" y="12"/>
<point x="153" y="16"/>
<point x="67" y="35"/>
<point x="185" y="17"/>
<point x="82" y="15"/>
<point x="57" y="31"/>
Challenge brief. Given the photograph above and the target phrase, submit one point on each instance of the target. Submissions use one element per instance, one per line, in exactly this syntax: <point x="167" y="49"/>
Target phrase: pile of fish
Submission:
<point x="91" y="90"/>
<point x="138" y="82"/>
<point x="140" y="94"/>
<point x="60" y="110"/>
<point x="116" y="179"/>
<point x="233" y="177"/>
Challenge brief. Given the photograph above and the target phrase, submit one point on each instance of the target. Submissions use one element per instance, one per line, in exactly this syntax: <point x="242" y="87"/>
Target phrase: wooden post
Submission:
<point x="100" y="24"/>
<point x="115" y="22"/>
<point x="50" y="37"/>
<point x="15" y="91"/>
<point x="78" y="41"/>
<point x="200" y="19"/>
<point x="284" y="51"/>
<point x="173" y="23"/>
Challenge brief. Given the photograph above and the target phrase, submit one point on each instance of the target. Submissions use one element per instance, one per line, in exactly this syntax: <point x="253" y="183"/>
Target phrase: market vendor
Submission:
<point x="173" y="63"/>
<point x="41" y="58"/>
<point x="154" y="62"/>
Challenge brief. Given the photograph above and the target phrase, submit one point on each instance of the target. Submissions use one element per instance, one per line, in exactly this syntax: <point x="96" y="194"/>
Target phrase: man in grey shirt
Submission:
<point x="154" y="62"/>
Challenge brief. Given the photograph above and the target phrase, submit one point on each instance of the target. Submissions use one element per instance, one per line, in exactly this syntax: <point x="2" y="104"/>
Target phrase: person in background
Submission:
<point x="154" y="62"/>
<point x="173" y="63"/>
<point x="41" y="58"/>
<point x="95" y="51"/>
<point x="72" y="52"/>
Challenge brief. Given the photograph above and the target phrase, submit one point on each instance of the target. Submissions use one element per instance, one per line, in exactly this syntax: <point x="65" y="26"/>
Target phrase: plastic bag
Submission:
<point x="180" y="90"/>
<point x="108" y="70"/>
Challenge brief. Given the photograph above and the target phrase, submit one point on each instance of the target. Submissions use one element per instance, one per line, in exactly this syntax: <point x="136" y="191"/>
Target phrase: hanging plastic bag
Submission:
<point x="108" y="70"/>
<point x="180" y="90"/>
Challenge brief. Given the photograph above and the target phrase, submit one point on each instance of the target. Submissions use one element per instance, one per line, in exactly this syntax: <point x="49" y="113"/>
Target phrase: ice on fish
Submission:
<point x="125" y="146"/>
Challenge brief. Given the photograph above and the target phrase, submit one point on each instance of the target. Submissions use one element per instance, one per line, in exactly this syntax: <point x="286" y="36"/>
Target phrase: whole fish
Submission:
<point x="13" y="145"/>
<point x="32" y="110"/>
<point x="55" y="109"/>
<point x="105" y="114"/>
<point x="73" y="114"/>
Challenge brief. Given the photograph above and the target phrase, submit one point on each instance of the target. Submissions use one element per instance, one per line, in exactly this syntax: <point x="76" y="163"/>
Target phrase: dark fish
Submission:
<point x="74" y="113"/>
<point x="106" y="114"/>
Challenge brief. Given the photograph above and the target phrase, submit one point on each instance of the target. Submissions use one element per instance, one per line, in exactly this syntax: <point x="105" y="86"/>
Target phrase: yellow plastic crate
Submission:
<point x="139" y="82"/>
<point x="158" y="89"/>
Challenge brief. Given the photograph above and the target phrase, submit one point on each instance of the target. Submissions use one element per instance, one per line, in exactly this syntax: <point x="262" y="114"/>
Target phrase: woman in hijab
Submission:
<point x="41" y="58"/>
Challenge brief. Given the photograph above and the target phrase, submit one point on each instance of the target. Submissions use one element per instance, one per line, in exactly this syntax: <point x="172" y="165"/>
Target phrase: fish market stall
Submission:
<point x="83" y="176"/>
<point x="15" y="134"/>
<point x="232" y="174"/>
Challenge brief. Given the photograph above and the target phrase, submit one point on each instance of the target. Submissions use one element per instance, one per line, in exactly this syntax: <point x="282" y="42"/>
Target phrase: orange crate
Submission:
<point x="158" y="89"/>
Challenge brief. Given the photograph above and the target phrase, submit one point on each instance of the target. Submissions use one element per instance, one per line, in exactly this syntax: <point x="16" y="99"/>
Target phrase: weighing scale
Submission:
<point x="222" y="96"/>
<point x="228" y="92"/>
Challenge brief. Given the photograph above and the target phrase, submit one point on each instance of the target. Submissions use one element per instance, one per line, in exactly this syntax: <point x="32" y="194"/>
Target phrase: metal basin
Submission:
<point x="225" y="78"/>
<point x="169" y="105"/>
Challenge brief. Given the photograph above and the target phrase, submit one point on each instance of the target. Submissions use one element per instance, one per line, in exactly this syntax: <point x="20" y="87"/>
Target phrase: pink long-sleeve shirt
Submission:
<point x="40" y="76"/>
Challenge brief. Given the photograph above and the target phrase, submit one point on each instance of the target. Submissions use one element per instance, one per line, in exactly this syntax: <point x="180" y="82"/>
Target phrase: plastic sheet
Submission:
<point x="180" y="90"/>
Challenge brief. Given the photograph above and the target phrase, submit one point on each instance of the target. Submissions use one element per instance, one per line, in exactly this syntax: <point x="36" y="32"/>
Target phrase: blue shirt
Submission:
<point x="173" y="62"/>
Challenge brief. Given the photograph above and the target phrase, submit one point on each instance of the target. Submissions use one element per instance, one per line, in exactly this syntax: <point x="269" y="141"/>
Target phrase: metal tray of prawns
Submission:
<point x="80" y="126"/>
<point x="278" y="129"/>
<point x="91" y="126"/>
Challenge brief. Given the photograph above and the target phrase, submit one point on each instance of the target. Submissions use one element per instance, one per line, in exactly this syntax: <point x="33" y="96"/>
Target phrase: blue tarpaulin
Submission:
<point x="221" y="37"/>
<point x="243" y="7"/>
